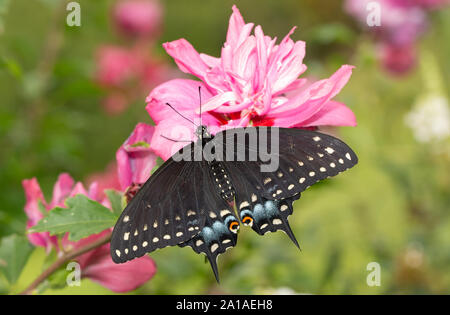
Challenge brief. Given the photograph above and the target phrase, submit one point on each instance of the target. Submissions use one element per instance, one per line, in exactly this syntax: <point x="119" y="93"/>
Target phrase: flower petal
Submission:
<point x="186" y="57"/>
<point x="135" y="158"/>
<point x="98" y="266"/>
<point x="61" y="190"/>
<point x="332" y="114"/>
<point x="310" y="101"/>
<point x="217" y="101"/>
<point x="235" y="27"/>
<point x="182" y="94"/>
<point x="34" y="195"/>
<point x="180" y="132"/>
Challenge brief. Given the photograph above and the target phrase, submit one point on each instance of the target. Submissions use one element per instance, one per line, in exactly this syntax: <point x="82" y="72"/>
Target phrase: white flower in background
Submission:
<point x="278" y="291"/>
<point x="430" y="118"/>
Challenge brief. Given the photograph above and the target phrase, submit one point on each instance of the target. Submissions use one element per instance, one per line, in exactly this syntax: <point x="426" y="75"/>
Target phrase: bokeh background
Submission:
<point x="58" y="114"/>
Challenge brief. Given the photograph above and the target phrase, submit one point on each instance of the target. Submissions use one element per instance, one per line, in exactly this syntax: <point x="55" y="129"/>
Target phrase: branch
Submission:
<point x="64" y="259"/>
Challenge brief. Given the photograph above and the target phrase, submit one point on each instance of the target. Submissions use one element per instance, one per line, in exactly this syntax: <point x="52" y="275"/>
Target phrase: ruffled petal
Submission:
<point x="186" y="57"/>
<point x="183" y="95"/>
<point x="303" y="106"/>
<point x="332" y="114"/>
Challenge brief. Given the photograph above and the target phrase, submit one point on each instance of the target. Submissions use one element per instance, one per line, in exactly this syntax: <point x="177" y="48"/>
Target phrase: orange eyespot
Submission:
<point x="247" y="220"/>
<point x="233" y="226"/>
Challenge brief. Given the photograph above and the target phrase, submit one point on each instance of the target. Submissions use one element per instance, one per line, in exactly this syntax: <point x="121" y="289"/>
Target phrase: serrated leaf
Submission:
<point x="14" y="252"/>
<point x="115" y="198"/>
<point x="81" y="218"/>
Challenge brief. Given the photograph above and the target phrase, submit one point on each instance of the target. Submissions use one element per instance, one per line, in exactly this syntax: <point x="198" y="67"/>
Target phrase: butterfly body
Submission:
<point x="201" y="202"/>
<point x="222" y="180"/>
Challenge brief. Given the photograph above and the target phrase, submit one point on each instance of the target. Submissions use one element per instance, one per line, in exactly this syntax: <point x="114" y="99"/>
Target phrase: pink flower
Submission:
<point x="397" y="58"/>
<point x="125" y="73"/>
<point x="96" y="264"/>
<point x="108" y="179"/>
<point x="183" y="95"/>
<point x="141" y="18"/>
<point x="116" y="65"/>
<point x="246" y="85"/>
<point x="403" y="22"/>
<point x="135" y="158"/>
<point x="34" y="196"/>
<point x="63" y="188"/>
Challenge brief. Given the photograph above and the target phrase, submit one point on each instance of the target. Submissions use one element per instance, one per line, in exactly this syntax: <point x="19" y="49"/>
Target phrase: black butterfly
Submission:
<point x="191" y="203"/>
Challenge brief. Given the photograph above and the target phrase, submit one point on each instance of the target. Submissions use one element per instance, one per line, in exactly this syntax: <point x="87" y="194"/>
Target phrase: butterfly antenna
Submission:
<point x="200" y="100"/>
<point x="180" y="114"/>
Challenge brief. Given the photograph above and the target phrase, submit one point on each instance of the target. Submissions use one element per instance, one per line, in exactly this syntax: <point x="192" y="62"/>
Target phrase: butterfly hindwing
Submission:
<point x="264" y="199"/>
<point x="219" y="232"/>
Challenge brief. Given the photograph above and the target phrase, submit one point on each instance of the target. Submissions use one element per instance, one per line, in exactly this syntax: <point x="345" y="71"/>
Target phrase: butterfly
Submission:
<point x="202" y="202"/>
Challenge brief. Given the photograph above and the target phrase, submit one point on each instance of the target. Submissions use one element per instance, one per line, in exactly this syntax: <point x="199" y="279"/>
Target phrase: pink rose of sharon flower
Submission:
<point x="96" y="264"/>
<point x="247" y="85"/>
<point x="138" y="17"/>
<point x="135" y="158"/>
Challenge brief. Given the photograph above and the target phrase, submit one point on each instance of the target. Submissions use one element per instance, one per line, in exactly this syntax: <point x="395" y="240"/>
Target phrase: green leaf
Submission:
<point x="14" y="252"/>
<point x="81" y="218"/>
<point x="11" y="66"/>
<point x="115" y="197"/>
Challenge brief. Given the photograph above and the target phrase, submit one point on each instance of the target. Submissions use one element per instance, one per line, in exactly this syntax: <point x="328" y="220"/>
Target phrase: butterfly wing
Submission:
<point x="179" y="205"/>
<point x="167" y="210"/>
<point x="264" y="199"/>
<point x="220" y="229"/>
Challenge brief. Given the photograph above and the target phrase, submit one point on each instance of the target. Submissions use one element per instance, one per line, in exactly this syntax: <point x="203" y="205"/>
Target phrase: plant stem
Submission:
<point x="64" y="259"/>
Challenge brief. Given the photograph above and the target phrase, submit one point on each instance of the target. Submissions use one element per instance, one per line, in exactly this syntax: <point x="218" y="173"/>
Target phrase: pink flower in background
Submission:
<point x="34" y="196"/>
<point x="141" y="18"/>
<point x="108" y="179"/>
<point x="403" y="22"/>
<point x="135" y="158"/>
<point x="432" y="4"/>
<point x="115" y="65"/>
<point x="96" y="264"/>
<point x="126" y="73"/>
<point x="247" y="85"/>
<point x="64" y="187"/>
<point x="397" y="58"/>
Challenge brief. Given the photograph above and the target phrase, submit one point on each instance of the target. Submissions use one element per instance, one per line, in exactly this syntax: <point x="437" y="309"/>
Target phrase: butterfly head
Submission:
<point x="202" y="132"/>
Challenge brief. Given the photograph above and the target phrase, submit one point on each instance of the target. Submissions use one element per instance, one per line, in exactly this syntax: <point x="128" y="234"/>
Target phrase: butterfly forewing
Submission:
<point x="167" y="211"/>
<point x="264" y="199"/>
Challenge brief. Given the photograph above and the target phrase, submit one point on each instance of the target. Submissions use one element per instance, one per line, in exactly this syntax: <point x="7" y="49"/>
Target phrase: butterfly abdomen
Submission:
<point x="222" y="180"/>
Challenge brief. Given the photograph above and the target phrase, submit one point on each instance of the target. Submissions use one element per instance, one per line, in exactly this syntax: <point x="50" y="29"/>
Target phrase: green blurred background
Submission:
<point x="392" y="208"/>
